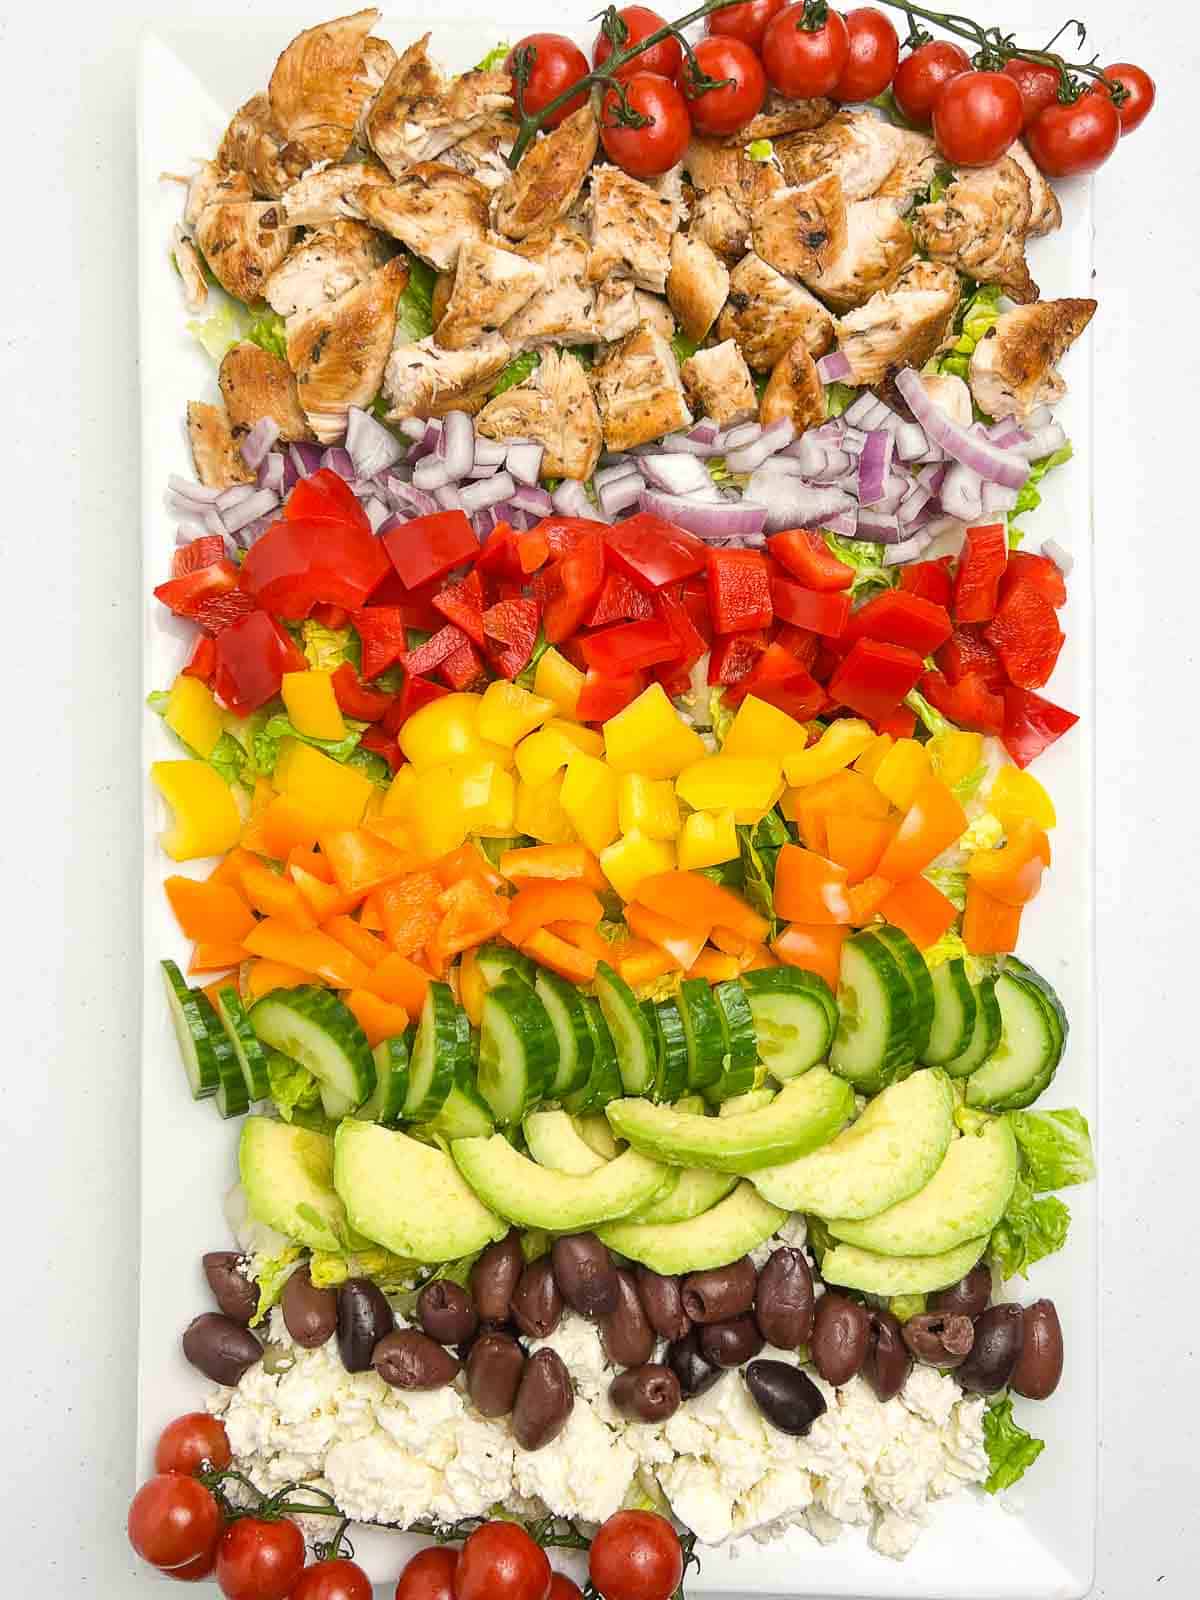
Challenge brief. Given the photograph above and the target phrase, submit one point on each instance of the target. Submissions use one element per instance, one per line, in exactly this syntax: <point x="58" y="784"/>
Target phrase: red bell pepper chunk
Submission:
<point x="430" y="655"/>
<point x="428" y="547"/>
<point x="330" y="616"/>
<point x="801" y="643"/>
<point x="1026" y="635"/>
<point x="1045" y="575"/>
<point x="462" y="604"/>
<point x="968" y="652"/>
<point x="197" y="553"/>
<point x="324" y="497"/>
<point x="807" y="557"/>
<point x="900" y="723"/>
<point x="511" y="627"/>
<point x="739" y="590"/>
<point x="463" y="667"/>
<point x="381" y="633"/>
<point x="928" y="579"/>
<point x="568" y="588"/>
<point x="415" y="606"/>
<point x="208" y="596"/>
<point x="874" y="677"/>
<point x="296" y="564"/>
<point x="499" y="556"/>
<point x="382" y="744"/>
<point x="779" y="679"/>
<point x="355" y="699"/>
<point x="899" y="618"/>
<point x="619" y="601"/>
<point x="533" y="550"/>
<point x="414" y="693"/>
<point x="252" y="656"/>
<point x="602" y="697"/>
<point x="676" y="610"/>
<point x="628" y="647"/>
<point x="970" y="703"/>
<point x="562" y="534"/>
<point x="202" y="660"/>
<point x="1031" y="724"/>
<point x="819" y="611"/>
<point x="653" y="552"/>
<point x="980" y="569"/>
<point x="734" y="656"/>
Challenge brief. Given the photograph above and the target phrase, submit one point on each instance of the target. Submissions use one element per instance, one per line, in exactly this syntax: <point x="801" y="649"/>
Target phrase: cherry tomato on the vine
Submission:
<point x="657" y="146"/>
<point x="187" y="1443"/>
<point x="640" y="22"/>
<point x="747" y="22"/>
<point x="558" y="62"/>
<point x="194" y="1571"/>
<point x="922" y="76"/>
<point x="1038" y="82"/>
<point x="429" y="1575"/>
<point x="636" y="1556"/>
<point x="501" y="1562"/>
<point x="873" y="54"/>
<point x="561" y="1588"/>
<point x="718" y="111"/>
<point x="1068" y="140"/>
<point x="976" y="117"/>
<point x="173" y="1520"/>
<point x="340" y="1579"/>
<point x="804" y="61"/>
<point x="259" y="1560"/>
<point x="1139" y="97"/>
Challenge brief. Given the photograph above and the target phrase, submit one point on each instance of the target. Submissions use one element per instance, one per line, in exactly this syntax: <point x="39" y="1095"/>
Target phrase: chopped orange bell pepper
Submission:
<point x="408" y="909"/>
<point x="325" y="900"/>
<point x="689" y="897"/>
<point x="857" y="843"/>
<point x="640" y="963"/>
<point x="361" y="943"/>
<point x="263" y="794"/>
<point x="470" y="913"/>
<point x="815" y="948"/>
<point x="378" y="1019"/>
<point x="568" y="960"/>
<point x="229" y="869"/>
<point x="920" y="910"/>
<point x="1014" y="873"/>
<point x="399" y="980"/>
<point x="263" y="976"/>
<point x="990" y="928"/>
<point x="714" y="966"/>
<point x="754" y="957"/>
<point x="215" y="957"/>
<point x="730" y="943"/>
<point x="541" y="903"/>
<point x="866" y="898"/>
<point x="313" y="952"/>
<point x="361" y="861"/>
<point x="682" y="944"/>
<point x="848" y="792"/>
<point x="468" y="862"/>
<point x="276" y="896"/>
<point x="810" y="888"/>
<point x="930" y="825"/>
<point x="582" y="935"/>
<point x="209" y="912"/>
<point x="309" y="859"/>
<point x="279" y="827"/>
<point x="558" y="861"/>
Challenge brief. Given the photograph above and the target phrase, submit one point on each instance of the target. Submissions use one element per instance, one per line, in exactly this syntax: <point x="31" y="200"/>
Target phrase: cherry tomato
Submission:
<point x="922" y="76"/>
<point x="173" y="1520"/>
<point x="874" y="52"/>
<point x="804" y="62"/>
<point x="747" y="22"/>
<point x="194" y="1571"/>
<point x="259" y="1560"/>
<point x="636" y="1556"/>
<point x="561" y="1588"/>
<point x="429" y="1575"/>
<point x="1135" y="107"/>
<point x="1068" y="140"/>
<point x="657" y="147"/>
<point x="558" y="62"/>
<point x="1038" y="83"/>
<point x="724" y="110"/>
<point x="187" y="1443"/>
<point x="501" y="1562"/>
<point x="640" y="22"/>
<point x="332" y="1580"/>
<point x="976" y="117"/>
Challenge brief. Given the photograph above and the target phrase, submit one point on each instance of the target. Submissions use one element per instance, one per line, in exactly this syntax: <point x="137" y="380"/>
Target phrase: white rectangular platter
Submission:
<point x="1035" y="1543"/>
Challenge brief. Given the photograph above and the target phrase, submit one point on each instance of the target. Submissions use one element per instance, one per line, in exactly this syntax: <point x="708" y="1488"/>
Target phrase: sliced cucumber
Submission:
<point x="232" y="1098"/>
<point x="497" y="961"/>
<point x="433" y="1058"/>
<point x="985" y="1035"/>
<point x="1032" y="1038"/>
<point x="464" y="1113"/>
<point x="873" y="1044"/>
<point x="741" y="1042"/>
<point x="954" y="1009"/>
<point x="197" y="1042"/>
<point x="518" y="1050"/>
<point x="631" y="1033"/>
<point x="386" y="1101"/>
<point x="565" y="1008"/>
<point x="795" y="1016"/>
<point x="920" y="981"/>
<point x="250" y="1054"/>
<point x="604" y="1079"/>
<point x="671" y="1077"/>
<point x="317" y="1029"/>
<point x="705" y="1036"/>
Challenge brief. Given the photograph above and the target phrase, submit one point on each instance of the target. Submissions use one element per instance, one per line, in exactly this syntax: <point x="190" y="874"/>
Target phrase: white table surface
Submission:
<point x="71" y="794"/>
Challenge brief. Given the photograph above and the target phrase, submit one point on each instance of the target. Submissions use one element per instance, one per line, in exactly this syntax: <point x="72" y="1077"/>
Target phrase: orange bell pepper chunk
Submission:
<point x="275" y="895"/>
<point x="263" y="976"/>
<point x="730" y="943"/>
<point x="641" y="963"/>
<point x="930" y="825"/>
<point x="370" y="916"/>
<point x="313" y="952"/>
<point x="324" y="900"/>
<point x="369" y="950"/>
<point x="755" y="956"/>
<point x="919" y="909"/>
<point x="229" y="869"/>
<point x="689" y="897"/>
<point x="210" y="913"/>
<point x="714" y="966"/>
<point x="215" y="957"/>
<point x="467" y="862"/>
<point x="558" y="861"/>
<point x="213" y="990"/>
<point x="361" y="861"/>
<point x="681" y="943"/>
<point x="378" y="1019"/>
<point x="279" y="828"/>
<point x="1013" y="874"/>
<point x="847" y="793"/>
<point x="399" y="980"/>
<point x="857" y="843"/>
<point x="812" y="820"/>
<point x="990" y="928"/>
<point x="568" y="960"/>
<point x="582" y="935"/>
<point x="815" y="948"/>
<point x="541" y="903"/>
<point x="810" y="888"/>
<point x="471" y="913"/>
<point x="408" y="909"/>
<point x="866" y="898"/>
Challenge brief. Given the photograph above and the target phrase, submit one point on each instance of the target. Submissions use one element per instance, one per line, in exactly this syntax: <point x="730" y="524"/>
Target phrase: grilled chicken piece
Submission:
<point x="632" y="230"/>
<point x="423" y="381"/>
<point x="254" y="145"/>
<point x="546" y="183"/>
<point x="324" y="266"/>
<point x="483" y="155"/>
<point x="330" y="195"/>
<point x="338" y="352"/>
<point x="799" y="230"/>
<point x="215" y="453"/>
<point x="766" y="313"/>
<point x="320" y="85"/>
<point x="433" y="209"/>
<point x="556" y="408"/>
<point x="698" y="285"/>
<point x="243" y="243"/>
<point x="980" y="225"/>
<point x="1013" y="365"/>
<point x="730" y="186"/>
<point x="637" y="388"/>
<point x="722" y="222"/>
<point x="256" y="384"/>
<point x="917" y="161"/>
<point x="951" y="394"/>
<point x="191" y="270"/>
<point x="212" y="186"/>
<point x="490" y="286"/>
<point x="859" y="148"/>
<point x="715" y="164"/>
<point x="719" y="384"/>
<point x="616" y="313"/>
<point x="1045" y="211"/>
<point x="419" y="114"/>
<point x="780" y="116"/>
<point x="654" y="311"/>
<point x="794" y="390"/>
<point x="879" y="243"/>
<point x="900" y="326"/>
<point x="563" y="311"/>
<point x="378" y="60"/>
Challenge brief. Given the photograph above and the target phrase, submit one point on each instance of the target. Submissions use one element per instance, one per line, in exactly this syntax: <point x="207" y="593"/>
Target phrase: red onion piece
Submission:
<point x="447" y="498"/>
<point x="790" y="502"/>
<point x="874" y="466"/>
<point x="745" y="458"/>
<point x="1062" y="559"/>
<point x="256" y="505"/>
<point x="536" y="501"/>
<point x="570" y="499"/>
<point x="907" y="550"/>
<point x="431" y="473"/>
<point x="524" y="462"/>
<point x="619" y="494"/>
<point x="306" y="458"/>
<point x="725" y="519"/>
<point x="911" y="443"/>
<point x="834" y="368"/>
<point x="980" y="455"/>
<point x="197" y="494"/>
<point x="996" y="498"/>
<point x="677" y="474"/>
<point x="456" y="447"/>
<point x="962" y="493"/>
<point x="258" y="441"/>
<point x="373" y="448"/>
<point x="490" y="452"/>
<point x="734" y="438"/>
<point x="478" y="496"/>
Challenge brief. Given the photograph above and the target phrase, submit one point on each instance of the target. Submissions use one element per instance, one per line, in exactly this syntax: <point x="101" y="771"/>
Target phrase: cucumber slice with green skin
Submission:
<point x="314" y="1027"/>
<point x="497" y="961"/>
<point x="250" y="1054"/>
<point x="386" y="1101"/>
<point x="568" y="1017"/>
<point x="985" y="1035"/>
<point x="518" y="1051"/>
<point x="1031" y="1044"/>
<point x="671" y="1078"/>
<point x="705" y="1035"/>
<point x="692" y="1105"/>
<point x="795" y="1016"/>
<point x="232" y="1098"/>
<point x="873" y="1044"/>
<point x="464" y="1114"/>
<point x="604" y="1078"/>
<point x="434" y="1055"/>
<point x="197" y="1044"/>
<point x="954" y="1009"/>
<point x="631" y="1033"/>
<point x="1057" y="1012"/>
<point x="741" y="1042"/>
<point x="920" y="979"/>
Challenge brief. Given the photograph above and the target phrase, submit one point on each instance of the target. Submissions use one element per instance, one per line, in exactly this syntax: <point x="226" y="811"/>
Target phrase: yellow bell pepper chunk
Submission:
<point x="759" y="729"/>
<point x="442" y="730"/>
<point x="649" y="736"/>
<point x="312" y="705"/>
<point x="472" y="986"/>
<point x="206" y="820"/>
<point x="1018" y="797"/>
<point x="539" y="812"/>
<point x="193" y="715"/>
<point x="842" y="742"/>
<point x="585" y="739"/>
<point x="540" y="755"/>
<point x="877" y="748"/>
<point x="902" y="771"/>
<point x="746" y="785"/>
<point x="485" y="794"/>
<point x="707" y="839"/>
<point x="634" y="857"/>
<point x="589" y="797"/>
<point x="648" y="805"/>
<point x="554" y="678"/>
<point x="398" y="800"/>
<point x="955" y="755"/>
<point x="507" y="713"/>
<point x="437" y="822"/>
<point x="331" y="793"/>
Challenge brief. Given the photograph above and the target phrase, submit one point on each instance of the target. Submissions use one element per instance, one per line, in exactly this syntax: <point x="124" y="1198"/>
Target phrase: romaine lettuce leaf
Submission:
<point x="495" y="58"/>
<point x="683" y="347"/>
<point x="231" y="322"/>
<point x="1030" y="1229"/>
<point x="267" y="739"/>
<point x="269" y="332"/>
<point x="326" y="648"/>
<point x="759" y="847"/>
<point x="228" y="758"/>
<point x="1056" y="1148"/>
<point x="1011" y="1451"/>
<point x="760" y="149"/>
<point x="517" y="370"/>
<point x="866" y="558"/>
<point x="271" y="1273"/>
<point x="838" y="396"/>
<point x="293" y="1087"/>
<point x="930" y="718"/>
<point x="414" y="309"/>
<point x="978" y="309"/>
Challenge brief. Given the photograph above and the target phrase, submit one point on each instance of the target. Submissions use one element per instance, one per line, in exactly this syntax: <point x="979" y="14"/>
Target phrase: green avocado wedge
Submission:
<point x="516" y="1187"/>
<point x="736" y="1226"/>
<point x="851" y="1268"/>
<point x="555" y="1142"/>
<point x="697" y="1191"/>
<point x="287" y="1173"/>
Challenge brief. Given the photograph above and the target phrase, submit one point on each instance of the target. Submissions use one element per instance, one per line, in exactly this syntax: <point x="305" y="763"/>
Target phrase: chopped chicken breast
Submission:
<point x="490" y="286"/>
<point x="254" y="145"/>
<point x="556" y="408"/>
<point x="320" y="85"/>
<point x="324" y="266"/>
<point x="722" y="222"/>
<point x="879" y="243"/>
<point x="1013" y="365"/>
<point x="191" y="270"/>
<point x="423" y="381"/>
<point x="799" y="230"/>
<point x="339" y="351"/>
<point x="900" y="326"/>
<point x="917" y="161"/>
<point x="951" y="394"/>
<point x="433" y="209"/>
<point x="546" y="183"/>
<point x="256" y="384"/>
<point x="616" y="312"/>
<point x="780" y="116"/>
<point x="419" y="114"/>
<point x="243" y="243"/>
<point x="719" y="384"/>
<point x="698" y="285"/>
<point x="210" y="187"/>
<point x="1045" y="211"/>
<point x="638" y="390"/>
<point x="378" y="60"/>
<point x="215" y="452"/>
<point x="653" y="310"/>
<point x="483" y="155"/>
<point x="563" y="311"/>
<point x="858" y="147"/>
<point x="980" y="225"/>
<point x="794" y="390"/>
<point x="329" y="195"/>
<point x="767" y="312"/>
<point x="632" y="229"/>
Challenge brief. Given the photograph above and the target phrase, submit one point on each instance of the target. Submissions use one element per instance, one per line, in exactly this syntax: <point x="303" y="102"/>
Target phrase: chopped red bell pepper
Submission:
<point x="202" y="660"/>
<point x="463" y="668"/>
<point x="653" y="552"/>
<point x="899" y="618"/>
<point x="820" y="611"/>
<point x="429" y="547"/>
<point x="324" y="497"/>
<point x="533" y="550"/>
<point x="1026" y="635"/>
<point x="900" y="723"/>
<point x="330" y="616"/>
<point x="807" y="557"/>
<point x="414" y="693"/>
<point x="602" y="697"/>
<point x="499" y="556"/>
<point x="415" y="606"/>
<point x="1031" y="724"/>
<point x="462" y="604"/>
<point x="968" y="652"/>
<point x="628" y="647"/>
<point x="619" y="601"/>
<point x="928" y="579"/>
<point x="971" y="702"/>
<point x="739" y="590"/>
<point x="799" y="642"/>
<point x="208" y="596"/>
<point x="734" y="655"/>
<point x="562" y="534"/>
<point x="568" y="588"/>
<point x="511" y="628"/>
<point x="430" y="655"/>
<point x="382" y="744"/>
<point x="827" y="661"/>
<point x="779" y="679"/>
<point x="296" y="564"/>
<point x="252" y="656"/>
<point x="197" y="553"/>
<point x="980" y="569"/>
<point x="874" y="677"/>
<point x="1045" y="575"/>
<point x="355" y="699"/>
<point x="676" y="609"/>
<point x="382" y="635"/>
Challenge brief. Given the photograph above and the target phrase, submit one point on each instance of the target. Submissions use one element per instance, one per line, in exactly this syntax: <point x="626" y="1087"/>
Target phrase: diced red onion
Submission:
<point x="907" y="550"/>
<point x="478" y="496"/>
<point x="490" y="452"/>
<point x="190" y="510"/>
<point x="853" y="440"/>
<point x="337" y="459"/>
<point x="830" y="432"/>
<point x="456" y="447"/>
<point x="306" y="458"/>
<point x="894" y="491"/>
<point x="213" y="521"/>
<point x="257" y="504"/>
<point x="447" y="498"/>
<point x="880" y="526"/>
<point x="834" y="368"/>
<point x="790" y="502"/>
<point x="962" y="493"/>
<point x="1062" y="559"/>
<point x="738" y="519"/>
<point x="997" y="498"/>
<point x="933" y="475"/>
<point x="229" y="499"/>
<point x="874" y="466"/>
<point x="980" y="455"/>
<point x="377" y="513"/>
<point x="618" y="494"/>
<point x="251" y="533"/>
<point x="427" y="443"/>
<point x="911" y="442"/>
<point x="745" y="458"/>
<point x="844" y="523"/>
<point x="373" y="448"/>
<point x="198" y="494"/>
<point x="620" y="469"/>
<point x="482" y="522"/>
<point x="536" y="501"/>
<point x="1039" y="418"/>
<point x="521" y="521"/>
<point x="914" y="502"/>
<point x="865" y="412"/>
<point x="684" y="444"/>
<point x="947" y="535"/>
<point x="524" y="462"/>
<point x="431" y="473"/>
<point x="484" y="470"/>
<point x="677" y="474"/>
<point x="409" y="500"/>
<point x="258" y="441"/>
<point x="570" y="499"/>
<point x="1043" y="442"/>
<point x="742" y="434"/>
<point x="412" y="428"/>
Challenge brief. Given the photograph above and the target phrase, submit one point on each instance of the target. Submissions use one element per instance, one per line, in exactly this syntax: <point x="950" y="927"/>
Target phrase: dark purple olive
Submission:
<point x="585" y="1274"/>
<point x="494" y="1277"/>
<point x="721" y="1292"/>
<point x="544" y="1401"/>
<point x="939" y="1338"/>
<point x="235" y="1294"/>
<point x="648" y="1393"/>
<point x="494" y="1369"/>
<point x="787" y="1397"/>
<point x="408" y="1359"/>
<point x="446" y="1312"/>
<point x="1040" y="1365"/>
<point x="662" y="1301"/>
<point x="840" y="1334"/>
<point x="537" y="1305"/>
<point x="310" y="1315"/>
<point x="784" y="1301"/>
<point x="695" y="1374"/>
<point x="625" y="1332"/>
<point x="732" y="1343"/>
<point x="363" y="1318"/>
<point x="220" y="1348"/>
<point x="999" y="1340"/>
<point x="888" y="1360"/>
<point x="968" y="1297"/>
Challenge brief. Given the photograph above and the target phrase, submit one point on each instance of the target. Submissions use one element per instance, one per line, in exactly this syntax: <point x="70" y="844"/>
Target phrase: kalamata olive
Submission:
<point x="235" y="1294"/>
<point x="494" y="1277"/>
<point x="888" y="1361"/>
<point x="220" y="1348"/>
<point x="586" y="1274"/>
<point x="363" y="1318"/>
<point x="784" y="1300"/>
<point x="999" y="1340"/>
<point x="695" y="1374"/>
<point x="1040" y="1364"/>
<point x="409" y="1359"/>
<point x="647" y="1394"/>
<point x="731" y="1343"/>
<point x="841" y="1330"/>
<point x="969" y="1296"/>
<point x="537" y="1305"/>
<point x="721" y="1292"/>
<point x="625" y="1333"/>
<point x="309" y="1314"/>
<point x="544" y="1401"/>
<point x="494" y="1369"/>
<point x="662" y="1301"/>
<point x="939" y="1338"/>
<point x="787" y="1397"/>
<point x="446" y="1312"/>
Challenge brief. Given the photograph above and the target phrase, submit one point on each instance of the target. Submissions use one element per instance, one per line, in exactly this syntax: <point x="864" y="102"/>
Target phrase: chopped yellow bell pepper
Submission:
<point x="554" y="678"/>
<point x="485" y="793"/>
<point x="472" y="987"/>
<point x="585" y="739"/>
<point x="442" y="730"/>
<point x="312" y="705"/>
<point x="398" y="800"/>
<point x="540" y="755"/>
<point x="877" y="748"/>
<point x="193" y="715"/>
<point x="707" y="839"/>
<point x="333" y="794"/>
<point x="507" y="713"/>
<point x="632" y="858"/>
<point x="955" y="755"/>
<point x="902" y="771"/>
<point x="746" y="785"/>
<point x="759" y="729"/>
<point x="1018" y="797"/>
<point x="589" y="798"/>
<point x="648" y="805"/>
<point x="206" y="820"/>
<point x="649" y="736"/>
<point x="539" y="812"/>
<point x="842" y="742"/>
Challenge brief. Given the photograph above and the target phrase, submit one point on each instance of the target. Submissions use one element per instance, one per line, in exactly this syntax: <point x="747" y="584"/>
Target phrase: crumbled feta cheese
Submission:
<point x="586" y="1472"/>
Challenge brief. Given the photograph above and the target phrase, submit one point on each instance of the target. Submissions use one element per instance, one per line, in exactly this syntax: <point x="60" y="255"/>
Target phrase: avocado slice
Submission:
<point x="737" y="1225"/>
<point x="893" y="1149"/>
<point x="408" y="1196"/>
<point x="287" y="1175"/>
<point x="555" y="1142"/>
<point x="535" y="1197"/>
<point x="752" y="1100"/>
<point x="853" y="1268"/>
<point x="594" y="1130"/>
<point x="806" y="1113"/>
<point x="696" y="1192"/>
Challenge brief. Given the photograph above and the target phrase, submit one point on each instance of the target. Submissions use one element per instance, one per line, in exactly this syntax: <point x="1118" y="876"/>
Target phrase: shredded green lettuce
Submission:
<point x="966" y="787"/>
<point x="231" y="322"/>
<point x="720" y="715"/>
<point x="326" y="648"/>
<point x="269" y="332"/>
<point x="929" y="718"/>
<point x="372" y="766"/>
<point x="1029" y="497"/>
<point x="759" y="847"/>
<point x="414" y="308"/>
<point x="760" y="149"/>
<point x="267" y="739"/>
<point x="866" y="558"/>
<point x="1030" y="1229"/>
<point x="906" y="1306"/>
<point x="952" y="883"/>
<point x="228" y="758"/>
<point x="271" y="1273"/>
<point x="495" y="58"/>
<point x="978" y="309"/>
<point x="393" y="1274"/>
<point x="524" y="678"/>
<point x="517" y="370"/>
<point x="942" y="179"/>
<point x="1056" y="1147"/>
<point x="1011" y="1451"/>
<point x="683" y="347"/>
<point x="293" y="1087"/>
<point x="839" y="396"/>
